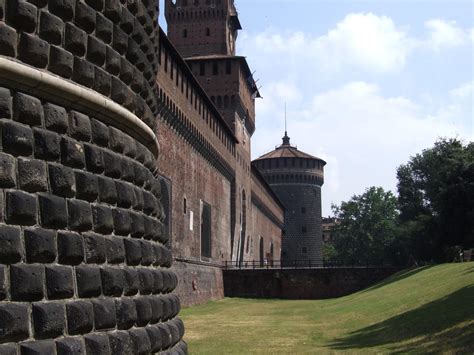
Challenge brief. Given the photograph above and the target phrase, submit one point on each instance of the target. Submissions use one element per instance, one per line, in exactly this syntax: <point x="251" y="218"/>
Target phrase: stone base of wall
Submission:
<point x="198" y="283"/>
<point x="301" y="283"/>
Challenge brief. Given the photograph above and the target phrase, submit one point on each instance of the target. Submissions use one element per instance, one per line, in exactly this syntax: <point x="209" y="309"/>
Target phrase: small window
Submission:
<point x="185" y="33"/>
<point x="303" y="210"/>
<point x="185" y="206"/>
<point x="202" y="69"/>
<point x="228" y="67"/>
<point x="303" y="229"/>
<point x="208" y="31"/>
<point x="304" y="250"/>
<point x="206" y="250"/>
<point x="215" y="69"/>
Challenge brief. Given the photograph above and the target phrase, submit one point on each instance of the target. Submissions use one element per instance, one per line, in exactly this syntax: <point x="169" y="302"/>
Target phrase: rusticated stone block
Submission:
<point x="112" y="281"/>
<point x="8" y="40"/>
<point x="155" y="338"/>
<point x="119" y="40"/>
<point x="85" y="17"/>
<point x="32" y="175"/>
<point x="124" y="194"/>
<point x="27" y="109"/>
<point x="51" y="28"/>
<point x="97" y="344"/>
<point x="104" y="313"/>
<point x="22" y="15"/>
<point x="61" y="62"/>
<point x="70" y="346"/>
<point x="133" y="251"/>
<point x="95" y="246"/>
<point x="102" y="82"/>
<point x="79" y="126"/>
<point x="62" y="8"/>
<point x="107" y="191"/>
<point x="55" y="118"/>
<point x="126" y="71"/>
<point x="94" y="160"/>
<point x="157" y="281"/>
<point x="3" y="286"/>
<point x="5" y="98"/>
<point x="53" y="211"/>
<point x="10" y="245"/>
<point x="86" y="186"/>
<point x="13" y="322"/>
<point x="119" y="91"/>
<point x="140" y="340"/>
<point x="75" y="40"/>
<point x="112" y="164"/>
<point x="40" y="245"/>
<point x="138" y="202"/>
<point x="148" y="255"/>
<point x="88" y="281"/>
<point x="59" y="282"/>
<point x="7" y="171"/>
<point x="122" y="221"/>
<point x="100" y="133"/>
<point x="132" y="282"/>
<point x="80" y="317"/>
<point x="128" y="171"/>
<point x="20" y="208"/>
<point x="144" y="311"/>
<point x="8" y="349"/>
<point x="28" y="281"/>
<point x="115" y="250"/>
<point x="156" y="309"/>
<point x="96" y="51"/>
<point x="33" y="50"/>
<point x="38" y="347"/>
<point x="47" y="145"/>
<point x="80" y="215"/>
<point x="62" y="180"/>
<point x="112" y="61"/>
<point x="120" y="342"/>
<point x="103" y="219"/>
<point x="48" y="319"/>
<point x="104" y="28"/>
<point x="166" y="339"/>
<point x="138" y="226"/>
<point x="17" y="139"/>
<point x="72" y="153"/>
<point x="126" y="313"/>
<point x="70" y="248"/>
<point x="146" y="281"/>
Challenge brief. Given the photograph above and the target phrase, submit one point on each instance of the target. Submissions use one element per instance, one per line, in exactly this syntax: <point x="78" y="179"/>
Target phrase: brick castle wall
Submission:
<point x="301" y="283"/>
<point x="83" y="262"/>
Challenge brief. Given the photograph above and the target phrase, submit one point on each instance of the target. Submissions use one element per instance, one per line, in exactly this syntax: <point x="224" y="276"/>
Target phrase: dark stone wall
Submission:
<point x="303" y="228"/>
<point x="301" y="283"/>
<point x="83" y="263"/>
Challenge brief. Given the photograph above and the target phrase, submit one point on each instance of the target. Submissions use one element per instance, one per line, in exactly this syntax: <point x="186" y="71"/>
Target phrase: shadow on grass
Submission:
<point x="397" y="277"/>
<point x="432" y="322"/>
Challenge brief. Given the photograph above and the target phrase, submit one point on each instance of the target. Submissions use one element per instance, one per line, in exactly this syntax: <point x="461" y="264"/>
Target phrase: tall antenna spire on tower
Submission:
<point x="286" y="139"/>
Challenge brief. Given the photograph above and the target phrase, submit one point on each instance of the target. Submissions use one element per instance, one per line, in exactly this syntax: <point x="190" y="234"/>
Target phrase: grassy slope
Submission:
<point x="429" y="309"/>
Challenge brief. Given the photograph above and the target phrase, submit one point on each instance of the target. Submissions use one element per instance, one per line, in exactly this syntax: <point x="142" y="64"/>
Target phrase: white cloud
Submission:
<point x="360" y="41"/>
<point x="362" y="135"/>
<point x="444" y="34"/>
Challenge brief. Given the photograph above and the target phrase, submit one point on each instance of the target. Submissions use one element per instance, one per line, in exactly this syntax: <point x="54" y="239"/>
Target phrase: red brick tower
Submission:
<point x="205" y="32"/>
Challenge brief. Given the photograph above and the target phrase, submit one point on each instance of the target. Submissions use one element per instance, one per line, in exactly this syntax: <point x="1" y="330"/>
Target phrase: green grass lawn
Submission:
<point x="429" y="309"/>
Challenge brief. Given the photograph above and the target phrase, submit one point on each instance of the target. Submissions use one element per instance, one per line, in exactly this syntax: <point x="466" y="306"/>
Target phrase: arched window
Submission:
<point x="208" y="31"/>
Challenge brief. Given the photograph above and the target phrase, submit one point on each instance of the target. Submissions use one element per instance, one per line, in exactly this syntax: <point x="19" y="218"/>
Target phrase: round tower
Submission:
<point x="296" y="178"/>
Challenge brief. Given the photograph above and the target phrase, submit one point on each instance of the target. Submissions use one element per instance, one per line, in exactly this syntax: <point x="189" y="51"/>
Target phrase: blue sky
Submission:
<point x="367" y="83"/>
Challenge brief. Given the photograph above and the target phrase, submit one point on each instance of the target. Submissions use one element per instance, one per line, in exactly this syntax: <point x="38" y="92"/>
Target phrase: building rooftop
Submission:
<point x="286" y="150"/>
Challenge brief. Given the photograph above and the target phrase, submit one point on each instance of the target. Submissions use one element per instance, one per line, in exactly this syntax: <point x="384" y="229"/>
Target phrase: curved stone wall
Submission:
<point x="83" y="264"/>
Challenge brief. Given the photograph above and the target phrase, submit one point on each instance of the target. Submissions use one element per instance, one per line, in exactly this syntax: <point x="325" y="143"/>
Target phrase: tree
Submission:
<point x="367" y="226"/>
<point x="436" y="199"/>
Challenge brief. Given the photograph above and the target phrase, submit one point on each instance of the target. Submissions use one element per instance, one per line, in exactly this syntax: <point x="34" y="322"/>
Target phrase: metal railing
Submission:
<point x="302" y="264"/>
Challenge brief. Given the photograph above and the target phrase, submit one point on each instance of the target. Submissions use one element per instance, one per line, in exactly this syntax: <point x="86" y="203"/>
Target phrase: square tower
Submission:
<point x="202" y="27"/>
